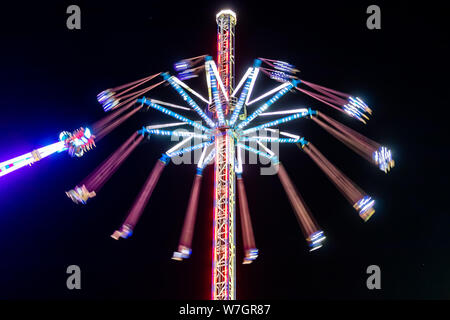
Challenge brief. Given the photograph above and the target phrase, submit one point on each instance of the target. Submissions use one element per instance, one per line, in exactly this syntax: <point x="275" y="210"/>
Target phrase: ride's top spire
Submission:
<point x="226" y="12"/>
<point x="226" y="22"/>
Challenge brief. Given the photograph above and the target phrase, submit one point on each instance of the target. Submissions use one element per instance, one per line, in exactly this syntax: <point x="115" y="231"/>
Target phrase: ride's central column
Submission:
<point x="224" y="263"/>
<point x="224" y="219"/>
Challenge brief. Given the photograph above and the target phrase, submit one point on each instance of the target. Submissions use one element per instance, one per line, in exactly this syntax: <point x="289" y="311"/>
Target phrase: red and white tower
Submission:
<point x="224" y="264"/>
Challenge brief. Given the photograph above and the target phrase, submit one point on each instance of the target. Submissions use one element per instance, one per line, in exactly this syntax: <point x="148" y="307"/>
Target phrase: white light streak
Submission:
<point x="178" y="145"/>
<point x="239" y="160"/>
<point x="166" y="125"/>
<point x="16" y="159"/>
<point x="242" y="81"/>
<point x="269" y="92"/>
<point x="251" y="85"/>
<point x="210" y="157"/>
<point x="170" y="104"/>
<point x="266" y="149"/>
<point x="286" y="134"/>
<point x="303" y="110"/>
<point x="208" y="82"/>
<point x="184" y="85"/>
<point x="200" y="161"/>
<point x="225" y="12"/>
<point x="219" y="80"/>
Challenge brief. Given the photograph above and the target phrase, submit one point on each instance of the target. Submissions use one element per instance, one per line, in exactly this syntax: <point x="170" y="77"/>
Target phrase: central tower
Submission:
<point x="224" y="264"/>
<point x="226" y="23"/>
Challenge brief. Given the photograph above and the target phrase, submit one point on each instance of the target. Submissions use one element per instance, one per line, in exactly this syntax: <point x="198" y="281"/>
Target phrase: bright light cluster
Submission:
<point x="80" y="194"/>
<point x="315" y="240"/>
<point x="182" y="253"/>
<point x="186" y="68"/>
<point x="302" y="141"/>
<point x="365" y="207"/>
<point x="173" y="114"/>
<point x="173" y="133"/>
<point x="188" y="99"/>
<point x="250" y="255"/>
<point x="104" y="95"/>
<point x="282" y="71"/>
<point x="207" y="159"/>
<point x="229" y="137"/>
<point x="245" y="90"/>
<point x="125" y="232"/>
<point x="278" y="121"/>
<point x="189" y="149"/>
<point x="271" y="157"/>
<point x="215" y="92"/>
<point x="279" y="76"/>
<point x="187" y="74"/>
<point x="29" y="158"/>
<point x="266" y="105"/>
<point x="284" y="66"/>
<point x="182" y="65"/>
<point x="78" y="142"/>
<point x="383" y="158"/>
<point x="107" y="100"/>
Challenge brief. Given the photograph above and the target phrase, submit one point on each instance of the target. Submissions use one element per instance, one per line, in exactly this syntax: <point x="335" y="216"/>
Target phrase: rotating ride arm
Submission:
<point x="175" y="83"/>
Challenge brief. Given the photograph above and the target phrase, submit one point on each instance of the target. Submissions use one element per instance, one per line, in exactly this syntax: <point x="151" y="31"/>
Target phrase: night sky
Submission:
<point x="49" y="79"/>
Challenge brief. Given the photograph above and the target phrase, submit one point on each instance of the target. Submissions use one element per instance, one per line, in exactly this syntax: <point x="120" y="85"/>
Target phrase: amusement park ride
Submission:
<point x="225" y="136"/>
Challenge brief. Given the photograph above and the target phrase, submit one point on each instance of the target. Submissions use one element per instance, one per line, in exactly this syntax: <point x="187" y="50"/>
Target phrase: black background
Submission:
<point x="49" y="78"/>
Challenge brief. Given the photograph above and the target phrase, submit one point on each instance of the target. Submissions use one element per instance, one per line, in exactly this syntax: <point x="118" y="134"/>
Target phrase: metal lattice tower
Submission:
<point x="224" y="264"/>
<point x="226" y="22"/>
